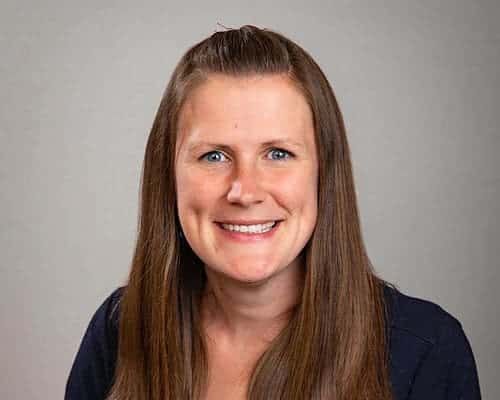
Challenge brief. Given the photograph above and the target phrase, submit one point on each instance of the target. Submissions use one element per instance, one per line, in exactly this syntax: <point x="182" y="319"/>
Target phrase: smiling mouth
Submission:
<point x="249" y="229"/>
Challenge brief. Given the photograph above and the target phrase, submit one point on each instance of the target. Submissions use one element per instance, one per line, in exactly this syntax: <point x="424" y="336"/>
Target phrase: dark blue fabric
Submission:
<point x="430" y="355"/>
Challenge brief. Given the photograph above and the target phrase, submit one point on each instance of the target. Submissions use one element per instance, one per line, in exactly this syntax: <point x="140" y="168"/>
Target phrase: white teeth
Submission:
<point x="259" y="228"/>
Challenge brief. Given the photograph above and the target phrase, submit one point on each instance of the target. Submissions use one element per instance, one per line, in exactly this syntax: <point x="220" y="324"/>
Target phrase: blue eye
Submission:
<point x="217" y="156"/>
<point x="280" y="154"/>
<point x="214" y="156"/>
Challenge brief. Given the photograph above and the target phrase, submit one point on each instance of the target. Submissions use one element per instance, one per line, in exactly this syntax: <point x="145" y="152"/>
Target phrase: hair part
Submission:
<point x="335" y="344"/>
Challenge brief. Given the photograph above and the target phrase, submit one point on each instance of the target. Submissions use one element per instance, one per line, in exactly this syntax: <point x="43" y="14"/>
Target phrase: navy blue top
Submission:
<point x="430" y="356"/>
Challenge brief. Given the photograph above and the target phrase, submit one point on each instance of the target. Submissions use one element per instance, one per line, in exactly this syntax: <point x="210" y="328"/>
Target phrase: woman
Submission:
<point x="250" y="279"/>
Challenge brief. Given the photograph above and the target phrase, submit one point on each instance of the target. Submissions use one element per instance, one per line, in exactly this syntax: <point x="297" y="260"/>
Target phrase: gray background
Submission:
<point x="418" y="84"/>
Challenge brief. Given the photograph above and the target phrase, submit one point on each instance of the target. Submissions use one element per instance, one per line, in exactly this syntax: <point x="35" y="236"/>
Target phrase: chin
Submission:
<point x="248" y="274"/>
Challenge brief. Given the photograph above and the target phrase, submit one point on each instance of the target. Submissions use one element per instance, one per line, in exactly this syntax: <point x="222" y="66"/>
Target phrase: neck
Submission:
<point x="241" y="312"/>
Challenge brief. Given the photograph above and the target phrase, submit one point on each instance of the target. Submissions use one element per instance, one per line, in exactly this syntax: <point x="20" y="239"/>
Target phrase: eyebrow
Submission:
<point x="275" y="142"/>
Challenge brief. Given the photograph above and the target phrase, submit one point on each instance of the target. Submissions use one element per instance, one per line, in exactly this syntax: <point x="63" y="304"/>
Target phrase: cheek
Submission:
<point x="195" y="192"/>
<point x="306" y="192"/>
<point x="299" y="190"/>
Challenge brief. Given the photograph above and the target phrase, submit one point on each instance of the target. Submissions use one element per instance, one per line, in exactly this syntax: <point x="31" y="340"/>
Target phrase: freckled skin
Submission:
<point x="243" y="181"/>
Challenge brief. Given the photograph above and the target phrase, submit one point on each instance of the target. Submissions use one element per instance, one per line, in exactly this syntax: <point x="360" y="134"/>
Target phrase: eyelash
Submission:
<point x="288" y="154"/>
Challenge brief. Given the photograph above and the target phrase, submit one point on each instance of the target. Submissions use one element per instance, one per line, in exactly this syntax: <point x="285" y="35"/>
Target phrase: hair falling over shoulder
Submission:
<point x="334" y="347"/>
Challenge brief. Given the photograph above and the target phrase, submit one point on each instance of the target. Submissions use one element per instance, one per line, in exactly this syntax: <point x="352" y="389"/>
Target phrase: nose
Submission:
<point x="245" y="188"/>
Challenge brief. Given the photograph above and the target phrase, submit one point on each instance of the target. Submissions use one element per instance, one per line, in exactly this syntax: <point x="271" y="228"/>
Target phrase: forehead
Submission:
<point x="257" y="107"/>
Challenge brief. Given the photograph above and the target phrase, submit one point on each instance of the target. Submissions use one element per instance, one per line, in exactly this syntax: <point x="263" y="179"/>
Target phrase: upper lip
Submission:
<point x="247" y="221"/>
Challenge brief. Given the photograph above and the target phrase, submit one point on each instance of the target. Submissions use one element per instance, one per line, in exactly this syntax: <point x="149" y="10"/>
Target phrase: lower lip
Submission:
<point x="247" y="237"/>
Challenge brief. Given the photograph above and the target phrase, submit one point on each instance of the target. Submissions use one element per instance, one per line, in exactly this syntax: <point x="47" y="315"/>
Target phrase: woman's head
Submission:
<point x="220" y="94"/>
<point x="238" y="88"/>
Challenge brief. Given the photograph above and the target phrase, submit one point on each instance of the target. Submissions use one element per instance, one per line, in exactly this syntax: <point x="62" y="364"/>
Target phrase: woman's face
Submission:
<point x="246" y="158"/>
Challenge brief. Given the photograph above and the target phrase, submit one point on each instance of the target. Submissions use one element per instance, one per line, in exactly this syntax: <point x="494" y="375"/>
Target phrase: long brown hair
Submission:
<point x="335" y="344"/>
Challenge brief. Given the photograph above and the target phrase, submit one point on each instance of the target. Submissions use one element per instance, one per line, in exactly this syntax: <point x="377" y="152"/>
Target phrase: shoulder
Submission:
<point x="104" y="322"/>
<point x="93" y="368"/>
<point x="417" y="317"/>
<point x="430" y="355"/>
